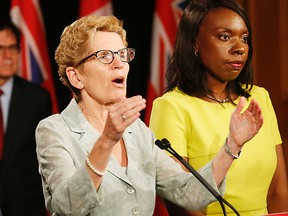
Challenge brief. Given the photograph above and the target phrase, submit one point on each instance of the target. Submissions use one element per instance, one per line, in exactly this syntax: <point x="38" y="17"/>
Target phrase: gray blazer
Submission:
<point x="65" y="140"/>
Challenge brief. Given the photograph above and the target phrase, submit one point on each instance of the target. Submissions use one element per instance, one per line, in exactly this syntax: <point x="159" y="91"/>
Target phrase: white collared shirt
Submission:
<point x="5" y="100"/>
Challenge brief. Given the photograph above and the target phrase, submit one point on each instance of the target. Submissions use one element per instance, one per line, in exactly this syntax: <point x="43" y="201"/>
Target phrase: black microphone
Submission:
<point x="165" y="144"/>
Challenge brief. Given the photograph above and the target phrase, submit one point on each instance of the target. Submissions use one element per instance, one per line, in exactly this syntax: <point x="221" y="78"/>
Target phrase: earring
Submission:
<point x="196" y="52"/>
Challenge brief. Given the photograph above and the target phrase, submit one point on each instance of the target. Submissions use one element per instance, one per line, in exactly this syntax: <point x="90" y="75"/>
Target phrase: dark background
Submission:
<point x="57" y="14"/>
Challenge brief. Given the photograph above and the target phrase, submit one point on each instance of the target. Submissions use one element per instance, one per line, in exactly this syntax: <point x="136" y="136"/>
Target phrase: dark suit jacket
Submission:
<point x="20" y="183"/>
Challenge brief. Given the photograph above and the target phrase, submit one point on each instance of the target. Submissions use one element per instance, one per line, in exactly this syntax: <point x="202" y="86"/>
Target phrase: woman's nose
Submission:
<point x="239" y="47"/>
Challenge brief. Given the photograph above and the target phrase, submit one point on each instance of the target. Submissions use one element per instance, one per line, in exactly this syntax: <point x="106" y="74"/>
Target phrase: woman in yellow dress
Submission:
<point x="210" y="69"/>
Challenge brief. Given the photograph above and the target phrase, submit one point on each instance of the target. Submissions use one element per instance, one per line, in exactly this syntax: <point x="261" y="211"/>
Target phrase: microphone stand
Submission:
<point x="165" y="144"/>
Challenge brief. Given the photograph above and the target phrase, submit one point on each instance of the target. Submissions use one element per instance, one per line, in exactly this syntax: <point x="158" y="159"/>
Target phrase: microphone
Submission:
<point x="165" y="145"/>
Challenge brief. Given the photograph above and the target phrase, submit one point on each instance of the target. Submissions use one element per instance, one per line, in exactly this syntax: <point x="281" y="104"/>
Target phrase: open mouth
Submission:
<point x="118" y="80"/>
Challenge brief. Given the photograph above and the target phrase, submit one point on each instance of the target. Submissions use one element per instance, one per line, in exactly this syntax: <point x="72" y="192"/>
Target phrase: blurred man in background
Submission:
<point x="23" y="105"/>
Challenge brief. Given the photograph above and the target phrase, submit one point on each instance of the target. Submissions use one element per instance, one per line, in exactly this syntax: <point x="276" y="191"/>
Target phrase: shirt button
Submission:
<point x="130" y="190"/>
<point x="135" y="211"/>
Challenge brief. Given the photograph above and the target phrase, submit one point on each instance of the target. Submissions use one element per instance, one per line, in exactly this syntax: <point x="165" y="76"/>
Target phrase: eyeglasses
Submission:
<point x="107" y="56"/>
<point x="12" y="49"/>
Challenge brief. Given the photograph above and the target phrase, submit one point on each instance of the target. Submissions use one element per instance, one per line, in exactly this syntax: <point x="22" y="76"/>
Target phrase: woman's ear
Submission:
<point x="74" y="77"/>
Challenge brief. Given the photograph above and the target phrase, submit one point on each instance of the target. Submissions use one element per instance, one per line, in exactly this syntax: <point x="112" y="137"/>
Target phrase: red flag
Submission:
<point x="166" y="18"/>
<point x="100" y="7"/>
<point x="35" y="65"/>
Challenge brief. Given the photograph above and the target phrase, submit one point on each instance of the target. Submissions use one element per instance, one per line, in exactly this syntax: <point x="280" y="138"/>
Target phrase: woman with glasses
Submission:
<point x="97" y="157"/>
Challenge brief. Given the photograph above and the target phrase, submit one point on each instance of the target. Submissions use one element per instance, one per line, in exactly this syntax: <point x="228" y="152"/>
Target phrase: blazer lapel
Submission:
<point x="88" y="136"/>
<point x="131" y="146"/>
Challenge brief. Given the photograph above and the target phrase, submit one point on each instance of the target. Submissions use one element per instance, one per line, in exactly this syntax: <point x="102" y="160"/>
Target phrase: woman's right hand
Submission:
<point x="121" y="115"/>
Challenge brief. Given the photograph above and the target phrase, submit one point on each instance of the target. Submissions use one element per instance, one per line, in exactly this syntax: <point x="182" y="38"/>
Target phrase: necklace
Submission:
<point x="217" y="100"/>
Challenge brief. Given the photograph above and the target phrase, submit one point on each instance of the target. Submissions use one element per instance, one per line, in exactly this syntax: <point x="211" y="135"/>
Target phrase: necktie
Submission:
<point x="1" y="129"/>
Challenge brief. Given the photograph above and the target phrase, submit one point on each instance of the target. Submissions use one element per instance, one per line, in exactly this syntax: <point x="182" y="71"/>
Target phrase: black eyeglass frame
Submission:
<point x="113" y="54"/>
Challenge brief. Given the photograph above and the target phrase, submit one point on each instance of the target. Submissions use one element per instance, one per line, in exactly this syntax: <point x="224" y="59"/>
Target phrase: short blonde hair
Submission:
<point x="75" y="40"/>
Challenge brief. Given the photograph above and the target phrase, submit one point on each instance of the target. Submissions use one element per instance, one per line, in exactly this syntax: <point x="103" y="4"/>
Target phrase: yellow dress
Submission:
<point x="197" y="129"/>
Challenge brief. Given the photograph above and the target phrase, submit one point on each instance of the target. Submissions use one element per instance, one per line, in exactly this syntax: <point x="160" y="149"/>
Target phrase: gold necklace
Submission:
<point x="217" y="100"/>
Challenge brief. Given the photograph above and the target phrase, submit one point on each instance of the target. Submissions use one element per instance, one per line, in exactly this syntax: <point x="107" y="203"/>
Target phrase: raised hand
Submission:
<point x="245" y="125"/>
<point x="121" y="115"/>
